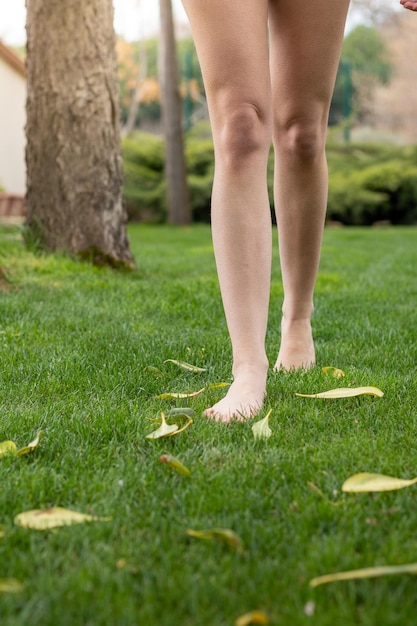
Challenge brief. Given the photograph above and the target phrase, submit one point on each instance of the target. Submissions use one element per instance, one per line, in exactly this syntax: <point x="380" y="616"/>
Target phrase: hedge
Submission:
<point x="367" y="183"/>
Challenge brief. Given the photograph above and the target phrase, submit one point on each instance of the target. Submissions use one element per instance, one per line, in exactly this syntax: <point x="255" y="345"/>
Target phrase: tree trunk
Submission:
<point x="73" y="154"/>
<point x="179" y="211"/>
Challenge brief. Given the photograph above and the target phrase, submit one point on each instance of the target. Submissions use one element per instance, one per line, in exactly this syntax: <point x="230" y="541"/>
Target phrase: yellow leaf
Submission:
<point x="165" y="430"/>
<point x="192" y="394"/>
<point x="7" y="447"/>
<point x="261" y="428"/>
<point x="218" y="385"/>
<point x="344" y="393"/>
<point x="175" y="464"/>
<point x="44" y="519"/>
<point x="168" y="430"/>
<point x="10" y="585"/>
<point x="254" y="617"/>
<point x="31" y="446"/>
<point x="333" y="371"/>
<point x="368" y="572"/>
<point x="365" y="482"/>
<point x="186" y="366"/>
<point x="222" y="535"/>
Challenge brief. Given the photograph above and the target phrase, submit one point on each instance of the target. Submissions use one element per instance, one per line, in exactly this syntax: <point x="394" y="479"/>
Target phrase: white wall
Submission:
<point x="12" y="129"/>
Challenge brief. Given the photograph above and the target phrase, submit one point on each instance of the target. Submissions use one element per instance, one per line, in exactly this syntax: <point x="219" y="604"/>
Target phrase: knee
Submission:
<point x="244" y="134"/>
<point x="300" y="140"/>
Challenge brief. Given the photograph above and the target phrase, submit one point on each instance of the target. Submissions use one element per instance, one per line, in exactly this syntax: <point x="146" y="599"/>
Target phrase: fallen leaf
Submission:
<point x="175" y="464"/>
<point x="186" y="366"/>
<point x="344" y="392"/>
<point x="43" y="519"/>
<point x="10" y="585"/>
<point x="7" y="447"/>
<point x="165" y="430"/>
<point x="175" y="396"/>
<point x="168" y="430"/>
<point x="366" y="482"/>
<point x="191" y="394"/>
<point x="254" y="617"/>
<point x="218" y="385"/>
<point x="221" y="535"/>
<point x="368" y="572"/>
<point x="261" y="428"/>
<point x="333" y="371"/>
<point x="31" y="446"/>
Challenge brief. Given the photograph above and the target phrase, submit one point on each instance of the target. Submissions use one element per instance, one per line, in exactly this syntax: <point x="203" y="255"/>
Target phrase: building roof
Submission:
<point x="11" y="58"/>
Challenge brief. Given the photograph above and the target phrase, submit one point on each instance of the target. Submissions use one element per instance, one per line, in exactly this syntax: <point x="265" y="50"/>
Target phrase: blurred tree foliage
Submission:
<point x="148" y="93"/>
<point x="364" y="64"/>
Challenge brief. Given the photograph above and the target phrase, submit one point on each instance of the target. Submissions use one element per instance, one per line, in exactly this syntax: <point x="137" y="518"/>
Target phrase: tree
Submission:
<point x="179" y="211"/>
<point x="364" y="64"/>
<point x="74" y="164"/>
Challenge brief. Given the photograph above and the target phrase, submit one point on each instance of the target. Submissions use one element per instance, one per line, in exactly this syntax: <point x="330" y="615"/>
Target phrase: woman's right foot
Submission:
<point x="297" y="345"/>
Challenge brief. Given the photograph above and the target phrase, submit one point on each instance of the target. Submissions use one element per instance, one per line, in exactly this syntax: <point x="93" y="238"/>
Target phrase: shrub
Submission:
<point x="367" y="183"/>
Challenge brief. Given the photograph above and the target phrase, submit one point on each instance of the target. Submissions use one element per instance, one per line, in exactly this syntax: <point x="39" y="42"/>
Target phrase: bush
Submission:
<point x="144" y="184"/>
<point x="371" y="184"/>
<point x="367" y="183"/>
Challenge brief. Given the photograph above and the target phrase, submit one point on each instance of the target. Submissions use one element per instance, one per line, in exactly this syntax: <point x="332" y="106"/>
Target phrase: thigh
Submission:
<point x="306" y="40"/>
<point x="232" y="46"/>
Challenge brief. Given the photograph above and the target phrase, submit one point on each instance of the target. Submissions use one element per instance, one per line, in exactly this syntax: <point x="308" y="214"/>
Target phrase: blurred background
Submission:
<point x="372" y="126"/>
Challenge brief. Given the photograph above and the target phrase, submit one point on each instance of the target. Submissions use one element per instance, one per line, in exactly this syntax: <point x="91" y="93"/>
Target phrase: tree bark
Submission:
<point x="73" y="155"/>
<point x="179" y="211"/>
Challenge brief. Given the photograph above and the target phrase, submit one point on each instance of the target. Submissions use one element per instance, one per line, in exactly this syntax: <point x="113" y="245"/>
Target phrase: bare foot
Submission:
<point x="244" y="398"/>
<point x="297" y="346"/>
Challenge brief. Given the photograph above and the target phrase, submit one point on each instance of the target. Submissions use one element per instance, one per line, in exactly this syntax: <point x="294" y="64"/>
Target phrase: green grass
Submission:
<point x="75" y="342"/>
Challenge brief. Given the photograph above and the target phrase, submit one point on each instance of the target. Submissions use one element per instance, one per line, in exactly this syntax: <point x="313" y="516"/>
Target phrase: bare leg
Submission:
<point x="231" y="40"/>
<point x="306" y="39"/>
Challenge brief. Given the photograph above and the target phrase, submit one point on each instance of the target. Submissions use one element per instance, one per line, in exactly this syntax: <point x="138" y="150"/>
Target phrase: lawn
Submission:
<point x="82" y="358"/>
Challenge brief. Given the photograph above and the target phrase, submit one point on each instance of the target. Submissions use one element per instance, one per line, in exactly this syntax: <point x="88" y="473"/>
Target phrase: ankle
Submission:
<point x="250" y="368"/>
<point x="297" y="311"/>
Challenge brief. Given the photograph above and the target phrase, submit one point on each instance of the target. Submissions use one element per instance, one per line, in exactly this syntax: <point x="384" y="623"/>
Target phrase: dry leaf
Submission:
<point x="218" y="385"/>
<point x="191" y="394"/>
<point x="222" y="535"/>
<point x="165" y="430"/>
<point x="333" y="371"/>
<point x="168" y="430"/>
<point x="7" y="447"/>
<point x="254" y="617"/>
<point x="368" y="572"/>
<point x="365" y="482"/>
<point x="31" y="446"/>
<point x="175" y="464"/>
<point x="344" y="392"/>
<point x="176" y="396"/>
<point x="261" y="428"/>
<point x="186" y="366"/>
<point x="44" y="519"/>
<point x="10" y="585"/>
